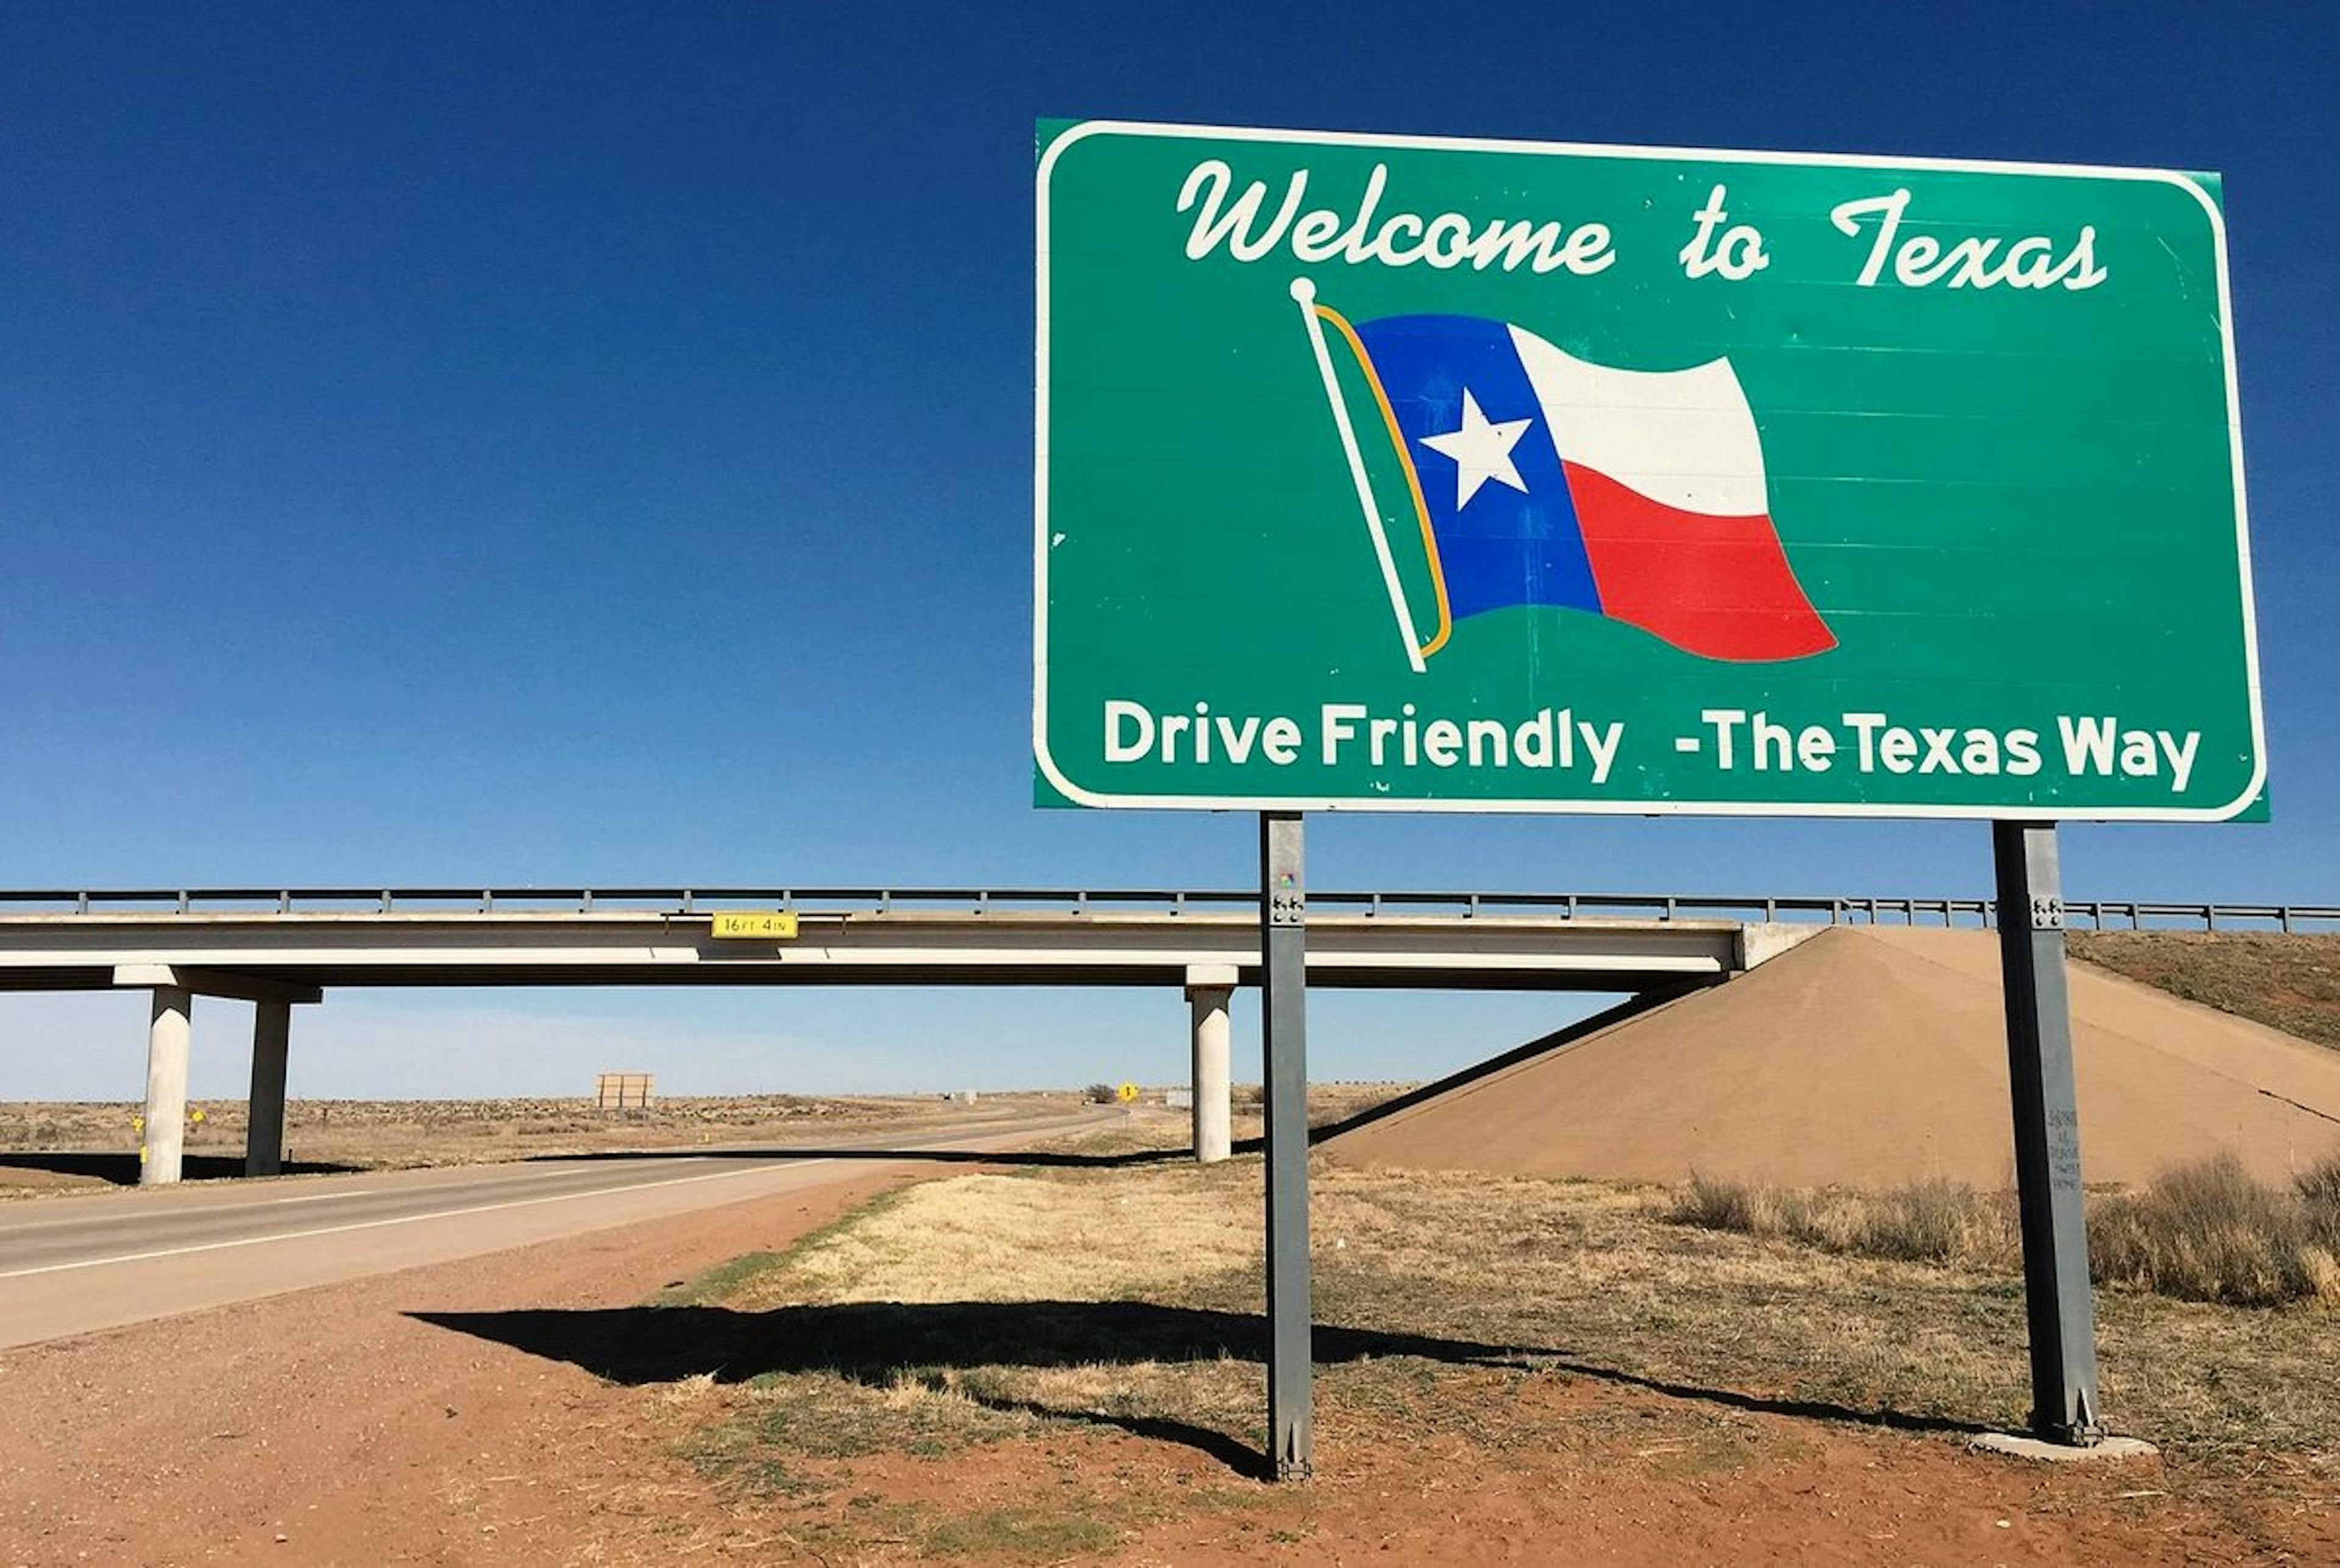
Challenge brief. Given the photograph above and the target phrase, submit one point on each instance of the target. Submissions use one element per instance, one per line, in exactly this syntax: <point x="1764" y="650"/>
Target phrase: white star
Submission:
<point x="1481" y="451"/>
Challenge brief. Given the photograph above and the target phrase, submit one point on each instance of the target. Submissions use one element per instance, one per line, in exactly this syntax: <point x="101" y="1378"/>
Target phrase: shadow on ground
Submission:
<point x="122" y="1169"/>
<point x="878" y="1343"/>
<point x="933" y="1156"/>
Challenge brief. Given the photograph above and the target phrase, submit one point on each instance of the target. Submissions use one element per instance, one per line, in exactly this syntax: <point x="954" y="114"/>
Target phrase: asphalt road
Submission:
<point x="78" y="1265"/>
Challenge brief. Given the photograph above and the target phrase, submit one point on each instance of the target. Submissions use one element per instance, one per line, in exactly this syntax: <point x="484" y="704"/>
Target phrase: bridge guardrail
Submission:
<point x="2101" y="915"/>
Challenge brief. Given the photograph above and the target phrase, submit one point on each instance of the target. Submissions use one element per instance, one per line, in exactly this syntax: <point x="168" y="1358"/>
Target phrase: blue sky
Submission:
<point x="542" y="443"/>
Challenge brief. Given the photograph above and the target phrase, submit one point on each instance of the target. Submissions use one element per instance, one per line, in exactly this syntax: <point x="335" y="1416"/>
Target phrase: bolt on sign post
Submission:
<point x="1381" y="472"/>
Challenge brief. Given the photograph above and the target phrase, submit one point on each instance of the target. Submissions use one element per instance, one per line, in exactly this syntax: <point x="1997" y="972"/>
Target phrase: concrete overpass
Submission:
<point x="285" y="947"/>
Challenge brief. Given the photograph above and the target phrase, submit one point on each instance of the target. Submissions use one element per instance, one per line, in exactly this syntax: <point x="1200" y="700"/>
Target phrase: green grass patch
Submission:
<point x="734" y="1456"/>
<point x="718" y="1283"/>
<point x="1019" y="1532"/>
<point x="739" y="1275"/>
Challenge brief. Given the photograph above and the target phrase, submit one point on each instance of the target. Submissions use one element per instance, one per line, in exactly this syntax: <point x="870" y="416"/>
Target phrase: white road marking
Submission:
<point x="400" y="1219"/>
<point x="387" y="1188"/>
<point x="245" y="1202"/>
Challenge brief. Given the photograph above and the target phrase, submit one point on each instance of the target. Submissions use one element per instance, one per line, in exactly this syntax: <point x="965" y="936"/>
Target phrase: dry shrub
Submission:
<point x="1934" y="1222"/>
<point x="2202" y="1232"/>
<point x="2319" y="1197"/>
<point x="1712" y="1203"/>
<point x="1924" y="1222"/>
<point x="2207" y="1232"/>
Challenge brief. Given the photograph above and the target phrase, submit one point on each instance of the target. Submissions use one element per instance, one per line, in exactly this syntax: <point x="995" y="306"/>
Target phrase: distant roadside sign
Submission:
<point x="1127" y="1094"/>
<point x="755" y="925"/>
<point x="1398" y="473"/>
<point x="622" y="1091"/>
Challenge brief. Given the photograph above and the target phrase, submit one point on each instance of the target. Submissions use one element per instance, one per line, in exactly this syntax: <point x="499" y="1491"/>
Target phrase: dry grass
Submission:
<point x="1152" y="1129"/>
<point x="1337" y="1101"/>
<point x="1143" y="1129"/>
<point x="1436" y="1296"/>
<point x="2203" y="1231"/>
<point x="1013" y="1238"/>
<point x="1926" y="1222"/>
<point x="2207" y="1232"/>
<point x="1494" y="1322"/>
<point x="2287" y="983"/>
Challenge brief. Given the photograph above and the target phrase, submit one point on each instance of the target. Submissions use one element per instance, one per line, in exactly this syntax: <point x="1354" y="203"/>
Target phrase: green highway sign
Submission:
<point x="1395" y="472"/>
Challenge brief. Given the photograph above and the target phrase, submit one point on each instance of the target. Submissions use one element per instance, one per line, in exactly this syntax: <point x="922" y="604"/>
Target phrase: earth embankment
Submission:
<point x="1871" y="1058"/>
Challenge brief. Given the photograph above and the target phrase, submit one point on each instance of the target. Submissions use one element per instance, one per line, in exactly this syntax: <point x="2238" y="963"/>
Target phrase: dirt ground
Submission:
<point x="2290" y="983"/>
<point x="459" y="1414"/>
<point x="330" y="1426"/>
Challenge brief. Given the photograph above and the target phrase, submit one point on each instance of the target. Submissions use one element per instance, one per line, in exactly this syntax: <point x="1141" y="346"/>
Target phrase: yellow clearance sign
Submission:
<point x="755" y="925"/>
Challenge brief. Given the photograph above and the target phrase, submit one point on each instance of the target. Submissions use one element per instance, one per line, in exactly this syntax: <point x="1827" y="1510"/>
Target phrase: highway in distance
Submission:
<point x="77" y="1265"/>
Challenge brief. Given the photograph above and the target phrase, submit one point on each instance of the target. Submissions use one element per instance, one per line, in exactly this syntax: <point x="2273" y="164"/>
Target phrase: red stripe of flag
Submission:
<point x="1719" y="587"/>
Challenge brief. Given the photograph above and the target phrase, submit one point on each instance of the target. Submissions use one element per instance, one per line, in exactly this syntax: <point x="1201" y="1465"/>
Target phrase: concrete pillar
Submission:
<point x="1208" y="990"/>
<point x="162" y="1142"/>
<point x="264" y="1133"/>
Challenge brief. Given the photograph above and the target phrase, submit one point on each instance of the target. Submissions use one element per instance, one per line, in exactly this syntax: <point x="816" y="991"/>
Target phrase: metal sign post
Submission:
<point x="2057" y="1301"/>
<point x="1283" y="984"/>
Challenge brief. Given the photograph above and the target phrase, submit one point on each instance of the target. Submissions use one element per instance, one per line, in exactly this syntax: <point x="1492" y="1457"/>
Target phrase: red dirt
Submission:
<point x="327" y="1426"/>
<point x="330" y="1427"/>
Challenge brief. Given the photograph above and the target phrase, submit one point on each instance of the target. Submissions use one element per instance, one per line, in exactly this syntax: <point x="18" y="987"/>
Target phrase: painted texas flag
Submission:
<point x="1543" y="479"/>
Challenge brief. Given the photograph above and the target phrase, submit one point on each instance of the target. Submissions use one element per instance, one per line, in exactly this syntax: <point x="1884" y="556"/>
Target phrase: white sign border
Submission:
<point x="1082" y="130"/>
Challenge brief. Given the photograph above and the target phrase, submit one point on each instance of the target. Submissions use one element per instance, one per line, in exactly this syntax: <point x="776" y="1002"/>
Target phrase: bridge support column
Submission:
<point x="264" y="1133"/>
<point x="163" y="1140"/>
<point x="1209" y="988"/>
<point x="160" y="1156"/>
